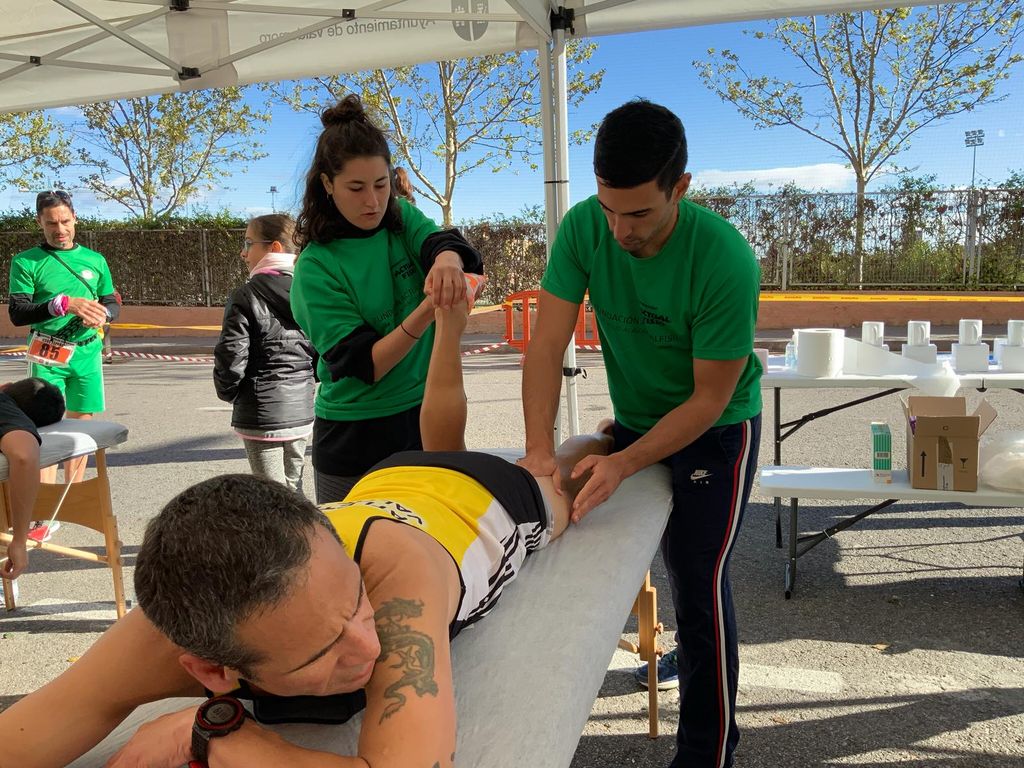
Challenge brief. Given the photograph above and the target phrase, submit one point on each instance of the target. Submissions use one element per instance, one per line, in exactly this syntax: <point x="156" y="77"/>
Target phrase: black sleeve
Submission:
<point x="231" y="355"/>
<point x="353" y="355"/>
<point x="13" y="419"/>
<point x="112" y="304"/>
<point x="23" y="311"/>
<point x="450" y="240"/>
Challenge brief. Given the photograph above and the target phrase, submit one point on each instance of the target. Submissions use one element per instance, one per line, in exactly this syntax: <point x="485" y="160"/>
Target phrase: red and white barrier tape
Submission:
<point x="481" y="350"/>
<point x="199" y="359"/>
<point x="140" y="355"/>
<point x="154" y="356"/>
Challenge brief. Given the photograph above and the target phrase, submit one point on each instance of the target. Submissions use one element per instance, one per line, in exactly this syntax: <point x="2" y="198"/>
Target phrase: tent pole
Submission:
<point x="561" y="126"/>
<point x="554" y="116"/>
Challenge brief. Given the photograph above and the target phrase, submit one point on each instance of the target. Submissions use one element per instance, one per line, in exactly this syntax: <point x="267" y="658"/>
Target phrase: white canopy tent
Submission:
<point x="65" y="52"/>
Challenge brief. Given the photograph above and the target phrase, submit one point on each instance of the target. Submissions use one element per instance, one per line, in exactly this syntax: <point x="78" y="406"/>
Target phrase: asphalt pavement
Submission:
<point x="902" y="644"/>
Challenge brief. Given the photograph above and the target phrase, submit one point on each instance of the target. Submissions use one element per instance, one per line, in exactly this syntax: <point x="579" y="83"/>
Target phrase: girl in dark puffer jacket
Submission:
<point x="263" y="362"/>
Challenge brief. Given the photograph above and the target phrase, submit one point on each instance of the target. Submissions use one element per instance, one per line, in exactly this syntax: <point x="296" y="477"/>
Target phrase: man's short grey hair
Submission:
<point x="218" y="553"/>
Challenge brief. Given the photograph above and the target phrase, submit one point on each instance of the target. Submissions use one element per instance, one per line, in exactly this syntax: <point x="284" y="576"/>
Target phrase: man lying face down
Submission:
<point x="245" y="588"/>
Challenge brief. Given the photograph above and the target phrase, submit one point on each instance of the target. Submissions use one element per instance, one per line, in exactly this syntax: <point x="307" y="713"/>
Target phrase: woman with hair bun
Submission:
<point x="372" y="270"/>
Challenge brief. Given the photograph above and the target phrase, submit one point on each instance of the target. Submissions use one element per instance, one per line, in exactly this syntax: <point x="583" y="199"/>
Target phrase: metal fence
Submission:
<point x="952" y="239"/>
<point x="930" y="240"/>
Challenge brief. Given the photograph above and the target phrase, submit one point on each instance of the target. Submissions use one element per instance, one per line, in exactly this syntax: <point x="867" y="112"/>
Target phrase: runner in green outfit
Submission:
<point x="64" y="293"/>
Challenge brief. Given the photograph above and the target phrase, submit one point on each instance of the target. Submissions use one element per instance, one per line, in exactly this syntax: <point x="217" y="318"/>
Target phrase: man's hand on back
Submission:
<point x="541" y="464"/>
<point x="607" y="473"/>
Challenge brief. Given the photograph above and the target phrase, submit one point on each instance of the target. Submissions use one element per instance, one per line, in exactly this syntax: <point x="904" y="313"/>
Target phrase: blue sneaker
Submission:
<point x="668" y="672"/>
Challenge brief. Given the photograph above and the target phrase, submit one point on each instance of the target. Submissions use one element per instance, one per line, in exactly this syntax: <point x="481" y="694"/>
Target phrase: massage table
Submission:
<point x="85" y="503"/>
<point x="527" y="675"/>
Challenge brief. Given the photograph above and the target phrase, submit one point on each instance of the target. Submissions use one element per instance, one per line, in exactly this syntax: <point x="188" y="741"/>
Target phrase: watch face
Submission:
<point x="218" y="713"/>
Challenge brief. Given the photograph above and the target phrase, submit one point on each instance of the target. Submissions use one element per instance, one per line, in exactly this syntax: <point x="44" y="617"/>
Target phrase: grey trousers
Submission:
<point x="279" y="460"/>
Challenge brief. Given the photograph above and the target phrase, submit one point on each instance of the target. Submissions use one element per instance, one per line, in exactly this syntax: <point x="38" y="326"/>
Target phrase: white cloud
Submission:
<point x="1001" y="133"/>
<point x="833" y="177"/>
<point x="66" y="111"/>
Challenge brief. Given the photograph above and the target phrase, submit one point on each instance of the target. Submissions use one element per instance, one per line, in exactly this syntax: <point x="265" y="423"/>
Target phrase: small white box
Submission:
<point x="923" y="353"/>
<point x="970" y="358"/>
<point x="997" y="348"/>
<point x="1012" y="360"/>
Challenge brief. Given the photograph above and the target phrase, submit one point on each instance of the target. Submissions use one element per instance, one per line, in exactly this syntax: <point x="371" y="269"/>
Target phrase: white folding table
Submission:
<point x="833" y="483"/>
<point x="778" y="377"/>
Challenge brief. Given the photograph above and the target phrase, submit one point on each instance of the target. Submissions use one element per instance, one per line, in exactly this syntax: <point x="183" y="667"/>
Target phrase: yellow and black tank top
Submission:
<point x="486" y="512"/>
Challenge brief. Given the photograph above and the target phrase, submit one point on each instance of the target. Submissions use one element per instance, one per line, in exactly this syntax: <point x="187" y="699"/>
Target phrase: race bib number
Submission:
<point x="49" y="350"/>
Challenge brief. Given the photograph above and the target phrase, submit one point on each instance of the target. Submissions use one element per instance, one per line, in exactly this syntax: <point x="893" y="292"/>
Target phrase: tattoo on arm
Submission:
<point x="413" y="652"/>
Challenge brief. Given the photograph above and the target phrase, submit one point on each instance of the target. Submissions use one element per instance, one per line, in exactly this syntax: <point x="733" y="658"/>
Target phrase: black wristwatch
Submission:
<point x="216" y="717"/>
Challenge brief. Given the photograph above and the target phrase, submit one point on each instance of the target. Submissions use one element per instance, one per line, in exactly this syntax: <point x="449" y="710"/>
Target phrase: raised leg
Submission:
<point x="74" y="469"/>
<point x="443" y="414"/>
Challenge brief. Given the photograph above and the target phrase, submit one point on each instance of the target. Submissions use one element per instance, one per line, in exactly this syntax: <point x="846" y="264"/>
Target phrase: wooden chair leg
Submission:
<point x="645" y="608"/>
<point x="110" y="532"/>
<point x="9" y="602"/>
<point x="647" y="622"/>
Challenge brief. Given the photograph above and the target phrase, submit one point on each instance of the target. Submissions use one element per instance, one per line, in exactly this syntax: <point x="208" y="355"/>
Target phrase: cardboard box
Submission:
<point x="881" y="452"/>
<point x="942" y="441"/>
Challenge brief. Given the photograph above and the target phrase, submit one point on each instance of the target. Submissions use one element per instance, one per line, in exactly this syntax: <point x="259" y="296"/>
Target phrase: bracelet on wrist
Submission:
<point x="407" y="333"/>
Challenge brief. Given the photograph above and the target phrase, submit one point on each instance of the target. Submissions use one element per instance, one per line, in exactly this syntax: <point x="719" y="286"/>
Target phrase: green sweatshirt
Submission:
<point x="375" y="281"/>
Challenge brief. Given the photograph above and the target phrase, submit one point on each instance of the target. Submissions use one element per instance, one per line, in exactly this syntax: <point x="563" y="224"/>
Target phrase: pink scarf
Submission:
<point x="274" y="263"/>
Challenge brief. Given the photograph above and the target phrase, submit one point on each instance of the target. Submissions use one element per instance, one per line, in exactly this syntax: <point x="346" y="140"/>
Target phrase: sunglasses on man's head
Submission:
<point x="51" y="198"/>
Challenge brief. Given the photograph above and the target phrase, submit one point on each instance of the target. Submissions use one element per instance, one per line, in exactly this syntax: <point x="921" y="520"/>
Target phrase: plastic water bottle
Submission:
<point x="791" y="355"/>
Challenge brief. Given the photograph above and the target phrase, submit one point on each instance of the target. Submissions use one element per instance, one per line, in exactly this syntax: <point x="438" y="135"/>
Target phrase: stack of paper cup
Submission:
<point x="819" y="352"/>
<point x="919" y="346"/>
<point x="970" y="354"/>
<point x="1011" y="358"/>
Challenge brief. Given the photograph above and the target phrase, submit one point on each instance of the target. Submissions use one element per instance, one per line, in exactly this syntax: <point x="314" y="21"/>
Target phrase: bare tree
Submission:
<point x="465" y="114"/>
<point x="154" y="154"/>
<point x="872" y="80"/>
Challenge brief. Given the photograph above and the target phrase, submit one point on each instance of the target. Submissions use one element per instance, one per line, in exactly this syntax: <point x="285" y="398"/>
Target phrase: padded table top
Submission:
<point x="69" y="438"/>
<point x="527" y="675"/>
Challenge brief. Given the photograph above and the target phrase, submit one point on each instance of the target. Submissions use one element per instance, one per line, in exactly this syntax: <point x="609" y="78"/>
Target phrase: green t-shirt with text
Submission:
<point x="39" y="273"/>
<point x="696" y="298"/>
<point x="351" y="282"/>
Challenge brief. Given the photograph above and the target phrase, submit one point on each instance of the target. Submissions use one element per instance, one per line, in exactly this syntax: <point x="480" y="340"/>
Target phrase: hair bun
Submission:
<point x="345" y="111"/>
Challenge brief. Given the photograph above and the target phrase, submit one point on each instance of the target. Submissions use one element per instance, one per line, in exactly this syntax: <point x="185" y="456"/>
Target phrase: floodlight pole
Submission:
<point x="972" y="262"/>
<point x="974" y="139"/>
<point x="273" y="203"/>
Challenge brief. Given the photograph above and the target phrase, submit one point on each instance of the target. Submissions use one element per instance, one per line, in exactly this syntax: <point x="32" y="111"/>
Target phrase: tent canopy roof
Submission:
<point x="64" y="52"/>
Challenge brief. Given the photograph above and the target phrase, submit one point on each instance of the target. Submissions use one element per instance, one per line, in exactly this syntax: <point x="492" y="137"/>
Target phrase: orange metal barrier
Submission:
<point x="524" y="306"/>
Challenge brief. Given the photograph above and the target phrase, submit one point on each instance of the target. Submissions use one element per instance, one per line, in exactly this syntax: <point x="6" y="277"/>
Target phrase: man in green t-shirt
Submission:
<point x="64" y="293"/>
<point x="674" y="288"/>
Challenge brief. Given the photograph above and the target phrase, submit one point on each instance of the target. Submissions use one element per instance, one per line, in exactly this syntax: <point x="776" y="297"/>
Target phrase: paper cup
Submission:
<point x="919" y="332"/>
<point x="873" y="333"/>
<point x="1015" y="333"/>
<point x="970" y="332"/>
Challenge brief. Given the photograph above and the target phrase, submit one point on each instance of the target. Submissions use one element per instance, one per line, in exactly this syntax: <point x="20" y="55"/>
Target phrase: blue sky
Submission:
<point x="724" y="147"/>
